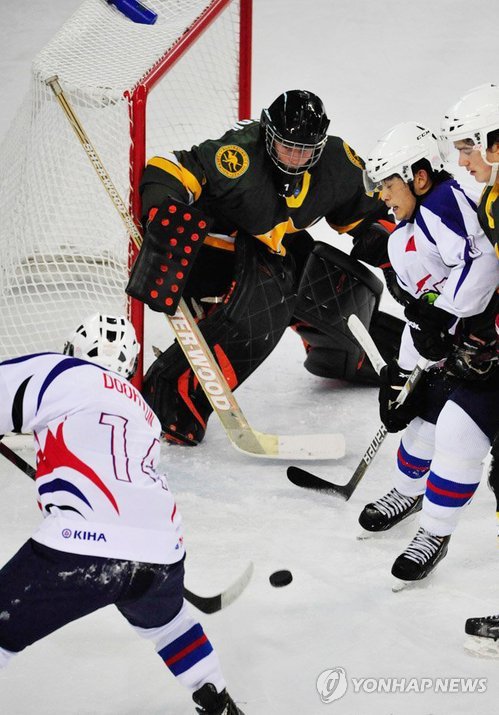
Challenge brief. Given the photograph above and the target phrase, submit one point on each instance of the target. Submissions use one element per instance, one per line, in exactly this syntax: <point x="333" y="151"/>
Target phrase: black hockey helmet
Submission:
<point x="294" y="129"/>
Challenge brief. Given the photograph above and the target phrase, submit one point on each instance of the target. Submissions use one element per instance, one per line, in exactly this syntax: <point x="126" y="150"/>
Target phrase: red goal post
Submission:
<point x="138" y="90"/>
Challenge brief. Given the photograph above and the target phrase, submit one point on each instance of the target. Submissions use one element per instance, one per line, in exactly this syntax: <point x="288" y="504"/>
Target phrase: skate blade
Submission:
<point x="480" y="647"/>
<point x="364" y="535"/>
<point x="399" y="585"/>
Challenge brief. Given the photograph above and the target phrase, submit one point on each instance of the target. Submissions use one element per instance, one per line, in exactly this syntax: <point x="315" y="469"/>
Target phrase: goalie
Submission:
<point x="225" y="227"/>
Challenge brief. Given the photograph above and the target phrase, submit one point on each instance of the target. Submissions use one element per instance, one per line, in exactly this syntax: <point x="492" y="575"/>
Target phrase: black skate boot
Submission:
<point x="213" y="703"/>
<point x="389" y="510"/>
<point x="485" y="627"/>
<point x="421" y="556"/>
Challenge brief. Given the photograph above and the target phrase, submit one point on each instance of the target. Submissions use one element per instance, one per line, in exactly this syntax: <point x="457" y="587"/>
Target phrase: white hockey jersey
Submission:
<point x="444" y="250"/>
<point x="98" y="445"/>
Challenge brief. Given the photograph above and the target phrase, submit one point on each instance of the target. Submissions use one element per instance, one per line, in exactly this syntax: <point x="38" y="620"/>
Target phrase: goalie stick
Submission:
<point x="199" y="356"/>
<point x="307" y="480"/>
<point x="206" y="604"/>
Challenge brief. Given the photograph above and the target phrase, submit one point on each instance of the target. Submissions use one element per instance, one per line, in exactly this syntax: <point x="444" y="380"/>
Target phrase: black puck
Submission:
<point x="280" y="578"/>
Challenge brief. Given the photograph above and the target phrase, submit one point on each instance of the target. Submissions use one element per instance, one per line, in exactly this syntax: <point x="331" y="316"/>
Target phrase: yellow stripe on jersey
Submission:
<point x="180" y="173"/>
<point x="493" y="196"/>
<point x="346" y="229"/>
<point x="295" y="202"/>
<point x="217" y="242"/>
<point x="273" y="238"/>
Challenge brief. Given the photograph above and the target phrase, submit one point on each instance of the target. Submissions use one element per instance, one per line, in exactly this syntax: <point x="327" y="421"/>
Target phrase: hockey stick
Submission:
<point x="212" y="604"/>
<point x="206" y="604"/>
<point x="305" y="479"/>
<point x="199" y="356"/>
<point x="361" y="334"/>
<point x="16" y="460"/>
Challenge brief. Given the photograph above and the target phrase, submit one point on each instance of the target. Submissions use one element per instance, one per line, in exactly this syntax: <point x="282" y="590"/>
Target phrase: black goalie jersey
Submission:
<point x="232" y="180"/>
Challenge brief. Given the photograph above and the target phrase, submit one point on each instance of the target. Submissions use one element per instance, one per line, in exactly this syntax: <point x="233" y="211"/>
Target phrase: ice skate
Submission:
<point x="213" y="703"/>
<point x="389" y="510"/>
<point x="482" y="636"/>
<point x="421" y="556"/>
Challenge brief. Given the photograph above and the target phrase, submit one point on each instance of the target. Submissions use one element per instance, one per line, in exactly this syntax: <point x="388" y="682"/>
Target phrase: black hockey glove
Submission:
<point x="396" y="417"/>
<point x="429" y="328"/>
<point x="473" y="359"/>
<point x="370" y="242"/>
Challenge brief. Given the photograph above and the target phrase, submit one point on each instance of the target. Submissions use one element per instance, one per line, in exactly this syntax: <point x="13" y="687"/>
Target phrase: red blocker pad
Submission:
<point x="171" y="243"/>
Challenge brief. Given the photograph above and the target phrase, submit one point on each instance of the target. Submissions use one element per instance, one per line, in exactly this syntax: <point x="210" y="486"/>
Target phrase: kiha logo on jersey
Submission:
<point x="332" y="684"/>
<point x="81" y="535"/>
<point x="231" y="161"/>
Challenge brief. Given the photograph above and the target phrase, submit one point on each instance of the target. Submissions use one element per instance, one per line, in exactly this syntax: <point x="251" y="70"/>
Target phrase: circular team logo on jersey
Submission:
<point x="231" y="161"/>
<point x="353" y="156"/>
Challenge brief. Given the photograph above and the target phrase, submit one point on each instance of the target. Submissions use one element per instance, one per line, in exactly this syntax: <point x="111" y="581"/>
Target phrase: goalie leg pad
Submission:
<point x="335" y="285"/>
<point x="241" y="332"/>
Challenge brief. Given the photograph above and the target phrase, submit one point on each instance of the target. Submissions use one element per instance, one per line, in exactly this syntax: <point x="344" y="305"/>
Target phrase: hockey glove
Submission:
<point x="172" y="241"/>
<point x="429" y="328"/>
<point x="396" y="417"/>
<point x="370" y="243"/>
<point x="475" y="357"/>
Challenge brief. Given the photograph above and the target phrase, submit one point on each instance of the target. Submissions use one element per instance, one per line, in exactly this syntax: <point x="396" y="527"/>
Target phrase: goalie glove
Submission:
<point x="172" y="241"/>
<point x="396" y="417"/>
<point x="429" y="327"/>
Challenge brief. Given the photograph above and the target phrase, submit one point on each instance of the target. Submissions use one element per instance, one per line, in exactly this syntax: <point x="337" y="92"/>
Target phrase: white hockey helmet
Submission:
<point x="472" y="117"/>
<point x="398" y="150"/>
<point x="108" y="340"/>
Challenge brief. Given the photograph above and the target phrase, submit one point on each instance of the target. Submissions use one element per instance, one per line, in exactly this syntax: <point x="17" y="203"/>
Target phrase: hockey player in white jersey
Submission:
<point x="111" y="533"/>
<point x="447" y="268"/>
<point x="469" y="133"/>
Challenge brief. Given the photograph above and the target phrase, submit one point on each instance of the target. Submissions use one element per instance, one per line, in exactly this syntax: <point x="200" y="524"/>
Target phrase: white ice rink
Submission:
<point x="374" y="64"/>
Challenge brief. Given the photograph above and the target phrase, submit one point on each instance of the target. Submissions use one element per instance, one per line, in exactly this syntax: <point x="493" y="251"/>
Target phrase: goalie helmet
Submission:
<point x="107" y="340"/>
<point x="297" y="121"/>
<point x="398" y="150"/>
<point x="473" y="116"/>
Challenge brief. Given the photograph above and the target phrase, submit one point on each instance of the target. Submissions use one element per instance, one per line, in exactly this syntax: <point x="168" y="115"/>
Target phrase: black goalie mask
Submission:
<point x="295" y="133"/>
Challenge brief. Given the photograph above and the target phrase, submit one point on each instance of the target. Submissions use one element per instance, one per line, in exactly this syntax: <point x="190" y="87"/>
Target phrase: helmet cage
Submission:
<point x="305" y="156"/>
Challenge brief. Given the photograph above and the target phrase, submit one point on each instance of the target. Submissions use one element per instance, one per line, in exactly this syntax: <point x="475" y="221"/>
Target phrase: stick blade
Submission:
<point x="290" y="447"/>
<point x="307" y="480"/>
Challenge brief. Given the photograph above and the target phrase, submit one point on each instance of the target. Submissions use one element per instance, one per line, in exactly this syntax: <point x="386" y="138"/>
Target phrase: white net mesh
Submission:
<point x="64" y="246"/>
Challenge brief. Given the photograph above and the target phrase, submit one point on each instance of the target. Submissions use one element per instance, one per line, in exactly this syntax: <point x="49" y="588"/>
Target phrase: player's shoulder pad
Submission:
<point x="232" y="154"/>
<point x="447" y="199"/>
<point x="339" y="151"/>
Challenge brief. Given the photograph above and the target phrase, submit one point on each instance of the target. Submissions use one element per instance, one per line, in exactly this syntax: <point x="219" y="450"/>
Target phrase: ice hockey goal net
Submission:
<point x="138" y="90"/>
